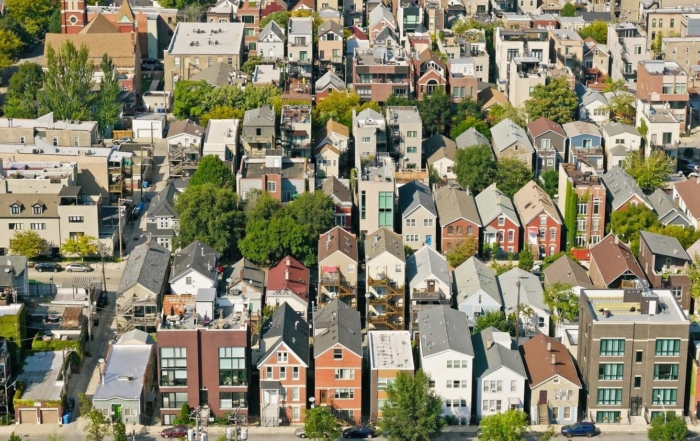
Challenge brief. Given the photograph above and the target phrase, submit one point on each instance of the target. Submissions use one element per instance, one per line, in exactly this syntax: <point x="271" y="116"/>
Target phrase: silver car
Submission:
<point x="78" y="268"/>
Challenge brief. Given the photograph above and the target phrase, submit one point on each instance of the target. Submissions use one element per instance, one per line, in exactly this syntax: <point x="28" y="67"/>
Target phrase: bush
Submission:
<point x="39" y="345"/>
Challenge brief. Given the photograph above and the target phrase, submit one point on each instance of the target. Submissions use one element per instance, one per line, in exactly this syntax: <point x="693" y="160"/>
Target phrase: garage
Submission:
<point x="146" y="123"/>
<point x="49" y="416"/>
<point x="27" y="416"/>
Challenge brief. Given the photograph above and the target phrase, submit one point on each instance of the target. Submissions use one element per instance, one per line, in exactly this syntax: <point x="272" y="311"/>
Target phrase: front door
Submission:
<point x="543" y="397"/>
<point x="203" y="397"/>
<point x="431" y="286"/>
<point x="116" y="412"/>
<point x="635" y="406"/>
<point x="324" y="397"/>
<point x="270" y="397"/>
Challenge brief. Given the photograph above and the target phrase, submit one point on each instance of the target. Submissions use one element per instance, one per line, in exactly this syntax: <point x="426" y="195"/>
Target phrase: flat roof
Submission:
<point x="40" y="375"/>
<point x="124" y="373"/>
<point x="266" y="74"/>
<point x="206" y="39"/>
<point x="222" y="130"/>
<point x="598" y="301"/>
<point x="390" y="350"/>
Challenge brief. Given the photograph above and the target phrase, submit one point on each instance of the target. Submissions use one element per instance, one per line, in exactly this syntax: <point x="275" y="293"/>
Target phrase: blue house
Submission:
<point x="585" y="146"/>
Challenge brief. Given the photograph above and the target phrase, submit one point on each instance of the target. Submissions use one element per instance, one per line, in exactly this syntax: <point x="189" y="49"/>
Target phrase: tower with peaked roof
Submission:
<point x="73" y="16"/>
<point x="125" y="18"/>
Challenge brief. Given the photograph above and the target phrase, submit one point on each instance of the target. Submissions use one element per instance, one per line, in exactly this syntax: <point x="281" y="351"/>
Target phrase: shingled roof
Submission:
<point x="338" y="324"/>
<point x="147" y="266"/>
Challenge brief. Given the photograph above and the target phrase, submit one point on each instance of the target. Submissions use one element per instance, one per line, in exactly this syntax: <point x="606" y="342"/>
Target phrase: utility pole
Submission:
<point x="91" y="291"/>
<point x="517" y="314"/>
<point x="121" y="247"/>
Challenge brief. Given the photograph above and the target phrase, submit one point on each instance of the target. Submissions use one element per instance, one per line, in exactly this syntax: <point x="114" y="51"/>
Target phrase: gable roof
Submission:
<point x="334" y="188"/>
<point x="566" y="271"/>
<point x="492" y="202"/>
<point x="531" y="200"/>
<point x="543" y="125"/>
<point x="613" y="129"/>
<point x="337" y="239"/>
<point x="472" y="276"/>
<point x="489" y="359"/>
<point x="337" y="323"/>
<point x="413" y="195"/>
<point x="424" y="263"/>
<point x="162" y="204"/>
<point x="441" y="329"/>
<point x="577" y="128"/>
<point x="290" y="328"/>
<point x="667" y="246"/>
<point x="439" y="146"/>
<point x="331" y="26"/>
<point x="196" y="256"/>
<point x="289" y="274"/>
<point x="273" y="27"/>
<point x="125" y="13"/>
<point x="689" y="191"/>
<point x="120" y="47"/>
<point x="332" y="127"/>
<point x="694" y="249"/>
<point x="455" y="203"/>
<point x="100" y="25"/>
<point x="384" y="240"/>
<point x="147" y="266"/>
<point x="330" y="79"/>
<point x="471" y="138"/>
<point x="357" y="33"/>
<point x="613" y="258"/>
<point x="216" y="75"/>
<point x="544" y="358"/>
<point x="591" y="96"/>
<point x="531" y="292"/>
<point x="246" y="271"/>
<point x="262" y="116"/>
<point x="621" y="187"/>
<point x="378" y="13"/>
<point x="185" y="126"/>
<point x="507" y="133"/>
<point x="385" y="34"/>
<point x="666" y="210"/>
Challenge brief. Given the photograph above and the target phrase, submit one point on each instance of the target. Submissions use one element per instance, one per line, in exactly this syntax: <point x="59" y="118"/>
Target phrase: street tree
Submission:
<point x="550" y="182"/>
<point x="435" y="111"/>
<point x="650" y="173"/>
<point x="495" y="318"/>
<point x="412" y="410"/>
<point x="555" y="101"/>
<point x="27" y="243"/>
<point x="469" y="122"/>
<point x="569" y="10"/>
<point x="338" y="107"/>
<point x="212" y="170"/>
<point x="82" y="245"/>
<point x="119" y="431"/>
<point x="667" y="427"/>
<point x="507" y="426"/>
<point x="97" y="427"/>
<point x="511" y="175"/>
<point x="221" y="112"/>
<point x="68" y="83"/>
<point x="597" y="31"/>
<point x="10" y="48"/>
<point x="189" y="97"/>
<point x="183" y="417"/>
<point x="562" y="301"/>
<point x="23" y="91"/>
<point x="109" y="108"/>
<point x="525" y="259"/>
<point x="466" y="249"/>
<point x="210" y="214"/>
<point x="320" y="423"/>
<point x="33" y="15"/>
<point x="475" y="168"/>
<point x="498" y="113"/>
<point x="627" y="224"/>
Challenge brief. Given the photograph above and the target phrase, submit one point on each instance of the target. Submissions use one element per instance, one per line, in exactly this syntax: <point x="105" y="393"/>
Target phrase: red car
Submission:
<point x="174" y="432"/>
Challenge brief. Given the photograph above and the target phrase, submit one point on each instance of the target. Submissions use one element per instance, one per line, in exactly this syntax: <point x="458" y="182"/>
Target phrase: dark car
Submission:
<point x="359" y="432"/>
<point x="579" y="429"/>
<point x="41" y="267"/>
<point x="174" y="432"/>
<point x="102" y="300"/>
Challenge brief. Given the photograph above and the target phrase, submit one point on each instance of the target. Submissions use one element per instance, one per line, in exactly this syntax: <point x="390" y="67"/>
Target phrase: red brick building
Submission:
<point x="458" y="217"/>
<point x="540" y="219"/>
<point x="499" y="219"/>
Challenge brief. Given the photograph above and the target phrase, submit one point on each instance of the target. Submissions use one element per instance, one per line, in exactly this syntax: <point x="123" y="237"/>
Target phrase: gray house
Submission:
<point x="476" y="289"/>
<point x="258" y="134"/>
<point x="470" y="138"/>
<point x="585" y="145"/>
<point x="271" y="42"/>
<point x="511" y="141"/>
<point x="549" y="140"/>
<point x="13" y="276"/>
<point x="126" y="392"/>
<point x="161" y="218"/>
<point x="666" y="210"/>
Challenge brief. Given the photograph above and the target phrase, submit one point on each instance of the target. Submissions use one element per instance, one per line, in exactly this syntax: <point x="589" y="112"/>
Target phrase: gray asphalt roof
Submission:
<point x="507" y="133"/>
<point x="668" y="213"/>
<point x="455" y="203"/>
<point x="531" y="292"/>
<point x="487" y="360"/>
<point x="619" y="150"/>
<point x="612" y="129"/>
<point x="273" y="27"/>
<point x="123" y="361"/>
<point x="376" y="15"/>
<point x="147" y="266"/>
<point x="162" y="204"/>
<point x="592" y="96"/>
<point x="287" y="326"/>
<point x="334" y="188"/>
<point x="437" y="142"/>
<point x="300" y="25"/>
<point x="17" y="264"/>
<point x="491" y="203"/>
<point x="216" y="75"/>
<point x="426" y="262"/>
<point x="442" y="329"/>
<point x="664" y="245"/>
<point x="40" y="376"/>
<point x="386" y="33"/>
<point x="330" y="79"/>
<point x="576" y="128"/>
<point x="340" y="324"/>
<point x="263" y="116"/>
<point x="383" y="240"/>
<point x="197" y="256"/>
<point x="413" y="195"/>
<point x="246" y="270"/>
<point x="565" y="270"/>
<point x="621" y="187"/>
<point x="474" y="275"/>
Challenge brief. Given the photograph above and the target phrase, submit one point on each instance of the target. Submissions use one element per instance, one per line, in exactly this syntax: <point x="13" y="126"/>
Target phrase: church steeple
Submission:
<point x="73" y="16"/>
<point x="125" y="18"/>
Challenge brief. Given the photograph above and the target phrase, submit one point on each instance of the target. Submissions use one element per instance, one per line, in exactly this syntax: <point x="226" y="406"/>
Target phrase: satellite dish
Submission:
<point x="101" y="360"/>
<point x="7" y="270"/>
<point x="228" y="280"/>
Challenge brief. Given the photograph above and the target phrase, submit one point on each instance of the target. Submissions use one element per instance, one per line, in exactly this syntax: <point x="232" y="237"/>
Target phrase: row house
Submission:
<point x="666" y="265"/>
<point x="524" y="74"/>
<point x="686" y="195"/>
<point x="472" y="138"/>
<point x="574" y="24"/>
<point x="327" y="84"/>
<point x="221" y="12"/>
<point x="464" y="75"/>
<point x="613" y="265"/>
<point x="289" y="282"/>
<point x="566" y="47"/>
<point x="390" y="353"/>
<point x="511" y="141"/>
<point x="337" y="267"/>
<point x="428" y="280"/>
<point x="430" y="74"/>
<point x="194" y="267"/>
<point x="470" y="44"/>
<point x="596" y="61"/>
<point x="440" y="152"/>
<point x="300" y="46"/>
<point x="67" y="132"/>
<point x="540" y="219"/>
<point x="380" y="73"/>
<point x="281" y="176"/>
<point x="593" y="106"/>
<point x="458" y="217"/>
<point x="386" y="274"/>
<point x="221" y="140"/>
<point x="628" y="46"/>
<point x="620" y="140"/>
<point x="448" y="358"/>
<point x="667" y="212"/>
<point x="271" y="42"/>
<point x="500" y="221"/>
<point x="549" y="141"/>
<point x="476" y="289"/>
<point x="535" y="315"/>
<point x="405" y="128"/>
<point x="418" y="215"/>
<point x="566" y="271"/>
<point x="295" y="130"/>
<point x="379" y="18"/>
<point x="258" y="133"/>
<point x="409" y="16"/>
<point x="246" y="281"/>
<point x="622" y="190"/>
<point x="330" y="46"/>
<point x="249" y="13"/>
<point x="376" y="188"/>
<point x="518" y="43"/>
<point x="342" y="201"/>
<point x="162" y="221"/>
<point x="184" y="147"/>
<point x="370" y="134"/>
<point x="585" y="145"/>
<point x="591" y="206"/>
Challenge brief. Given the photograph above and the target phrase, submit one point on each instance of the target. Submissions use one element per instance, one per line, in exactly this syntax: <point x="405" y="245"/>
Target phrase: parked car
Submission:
<point x="579" y="429"/>
<point x="174" y="432"/>
<point x="78" y="268"/>
<point x="95" y="320"/>
<point x="301" y="433"/>
<point x="122" y="140"/>
<point x="359" y="432"/>
<point x="41" y="267"/>
<point x="102" y="300"/>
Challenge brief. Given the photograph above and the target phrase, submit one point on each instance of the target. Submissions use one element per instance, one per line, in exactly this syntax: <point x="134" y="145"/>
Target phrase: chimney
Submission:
<point x="549" y="346"/>
<point x="489" y="343"/>
<point x="286" y="274"/>
<point x="296" y="324"/>
<point x="288" y="262"/>
<point x="554" y="359"/>
<point x="202" y="251"/>
<point x="148" y="242"/>
<point x="617" y="240"/>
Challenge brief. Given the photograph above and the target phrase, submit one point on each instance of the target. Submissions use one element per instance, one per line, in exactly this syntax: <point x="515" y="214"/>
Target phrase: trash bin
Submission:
<point x="66" y="417"/>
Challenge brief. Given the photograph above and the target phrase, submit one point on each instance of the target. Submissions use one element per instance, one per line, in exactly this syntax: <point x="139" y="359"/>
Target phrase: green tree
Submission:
<point x="621" y="108"/>
<point x="320" y="423"/>
<point x="10" y="48"/>
<point x="108" y="107"/>
<point x="188" y="98"/>
<point x="259" y="205"/>
<point x="555" y="101"/>
<point x="525" y="259"/>
<point x="14" y="437"/>
<point x="475" y="168"/>
<point x="694" y="276"/>
<point x="627" y="224"/>
<point x="249" y="65"/>
<point x="570" y="215"/>
<point x="468" y="123"/>
<point x="435" y="111"/>
<point x="511" y="175"/>
<point x="221" y="112"/>
<point x="68" y="83"/>
<point x="55" y="22"/>
<point x="210" y="214"/>
<point x="212" y="170"/>
<point x="23" y="90"/>
<point x="508" y="426"/>
<point x="550" y="182"/>
<point x="33" y="15"/>
<point x="412" y="410"/>
<point x="395" y="100"/>
<point x="27" y="243"/>
<point x="668" y="427"/>
<point x="551" y="259"/>
<point x="9" y="23"/>
<point x="466" y="249"/>
<point x="314" y="211"/>
<point x="184" y="417"/>
<point x="193" y="12"/>
<point x="498" y="113"/>
<point x="497" y="319"/>
<point x="119" y="431"/>
<point x="97" y="426"/>
<point x="650" y="173"/>
<point x="280" y="17"/>
<point x="597" y="31"/>
<point x="338" y="107"/>
<point x="466" y="108"/>
<point x="658" y="44"/>
<point x="562" y="301"/>
<point x="82" y="245"/>
<point x="408" y="251"/>
<point x="569" y="10"/>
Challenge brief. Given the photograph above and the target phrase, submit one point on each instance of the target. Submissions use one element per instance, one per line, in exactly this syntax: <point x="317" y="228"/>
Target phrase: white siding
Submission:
<point x="436" y="367"/>
<point x="505" y="376"/>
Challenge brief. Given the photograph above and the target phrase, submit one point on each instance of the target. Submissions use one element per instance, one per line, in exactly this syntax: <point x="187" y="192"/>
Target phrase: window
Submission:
<point x="411" y="134"/>
<point x="269" y="373"/>
<point x="177" y="61"/>
<point x="188" y="280"/>
<point x="296" y="413"/>
<point x="501" y="221"/>
<point x="513" y="385"/>
<point x="449" y="364"/>
<point x="363" y="204"/>
<point x="283" y="372"/>
<point x="608" y="397"/>
<point x="232" y="400"/>
<point x="587" y="143"/>
<point x="665" y="347"/>
<point x="282" y="357"/>
<point x="582" y="208"/>
<point x="666" y="372"/>
<point x="21" y="139"/>
<point x="37" y="209"/>
<point x="596" y="225"/>
<point x="295" y="373"/>
<point x="672" y="22"/>
<point x="607" y="417"/>
<point x="75" y="219"/>
<point x="173" y="366"/>
<point x="229" y="61"/>
<point x="567" y="413"/>
<point x="610" y="347"/>
<point x="543" y="234"/>
<point x="383" y="383"/>
<point x="610" y="371"/>
<point x="38" y="226"/>
<point x="638" y="357"/>
<point x="386" y="209"/>
<point x="543" y="220"/>
<point x="427" y="222"/>
<point x="479" y="68"/>
<point x="295" y="394"/>
<point x="637" y="381"/>
<point x="677" y="291"/>
<point x="412" y="238"/>
<point x="344" y="374"/>
<point x="661" y="22"/>
<point x="411" y="150"/>
<point x="563" y="394"/>
<point x="664" y="396"/>
<point x="366" y="140"/>
<point x="337" y="354"/>
<point x="581" y="224"/>
<point x="173" y="400"/>
<point x="248" y="19"/>
<point x="55" y="141"/>
<point x="196" y="62"/>
<point x="15" y="209"/>
<point x="272" y="187"/>
<point x="249" y="32"/>
<point x="410" y="222"/>
<point x="232" y="368"/>
<point x="351" y="268"/>
<point x="552" y="234"/>
<point x="470" y="230"/>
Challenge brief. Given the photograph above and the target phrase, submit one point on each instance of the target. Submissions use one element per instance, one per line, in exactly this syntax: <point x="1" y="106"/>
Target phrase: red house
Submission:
<point x="499" y="219"/>
<point x="342" y="198"/>
<point x="288" y="283"/>
<point x="540" y="220"/>
<point x="457" y="215"/>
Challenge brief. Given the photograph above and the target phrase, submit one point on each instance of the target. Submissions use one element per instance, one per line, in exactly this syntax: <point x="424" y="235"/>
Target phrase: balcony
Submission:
<point x="259" y="139"/>
<point x="425" y="295"/>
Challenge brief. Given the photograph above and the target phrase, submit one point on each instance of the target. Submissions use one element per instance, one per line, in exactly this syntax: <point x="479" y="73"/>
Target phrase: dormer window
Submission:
<point x="37" y="209"/>
<point x="15" y="209"/>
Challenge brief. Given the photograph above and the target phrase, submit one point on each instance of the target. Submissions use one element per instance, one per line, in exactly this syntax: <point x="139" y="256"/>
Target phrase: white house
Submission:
<point x="194" y="267"/>
<point x="476" y="289"/>
<point x="185" y="133"/>
<point x="427" y="272"/>
<point x="618" y="134"/>
<point x="534" y="314"/>
<point x="499" y="372"/>
<point x="271" y="42"/>
<point x="593" y="107"/>
<point x="222" y="138"/>
<point x="418" y="215"/>
<point x="448" y="357"/>
<point x="147" y="125"/>
<point x="246" y="280"/>
<point x="386" y="275"/>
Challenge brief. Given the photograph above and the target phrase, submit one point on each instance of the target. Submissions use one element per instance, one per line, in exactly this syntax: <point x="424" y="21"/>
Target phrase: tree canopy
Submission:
<point x="280" y="17"/>
<point x="435" y="111"/>
<point x="221" y="112"/>
<point x="569" y="10"/>
<point x="33" y="15"/>
<point x="668" y="427"/>
<point x="597" y="30"/>
<point x="338" y="107"/>
<point x="511" y="175"/>
<point x="555" y="101"/>
<point x="194" y="99"/>
<point x="497" y="319"/>
<point x="212" y="170"/>
<point x="650" y="173"/>
<point x="550" y="182"/>
<point x="23" y="90"/>
<point x="81" y="245"/>
<point x="188" y="98"/>
<point x="412" y="409"/>
<point x="27" y="243"/>
<point x="562" y="301"/>
<point x="475" y="168"/>
<point x="466" y="249"/>
<point x="468" y="123"/>
<point x="694" y="276"/>
<point x="507" y="426"/>
<point x="108" y="107"/>
<point x="685" y="235"/>
<point x="320" y="423"/>
<point x="10" y="48"/>
<point x="621" y="108"/>
<point x="629" y="222"/>
<point x="498" y="113"/>
<point x="525" y="259"/>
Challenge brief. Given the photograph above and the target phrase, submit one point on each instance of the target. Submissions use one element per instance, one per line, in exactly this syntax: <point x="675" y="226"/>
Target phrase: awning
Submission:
<point x="514" y="401"/>
<point x="267" y="384"/>
<point x="491" y="229"/>
<point x="300" y="133"/>
<point x="329" y="268"/>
